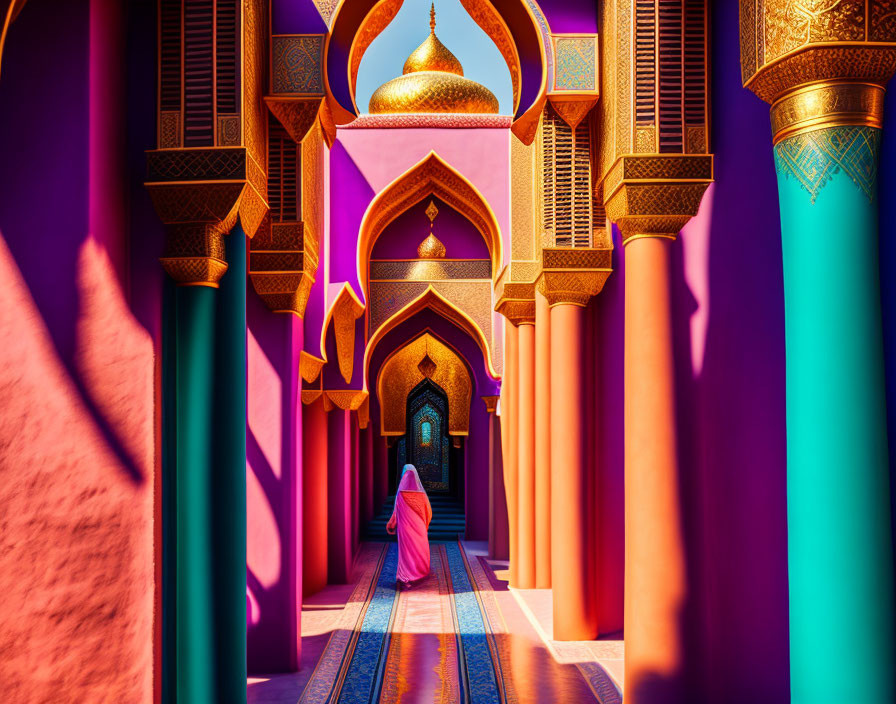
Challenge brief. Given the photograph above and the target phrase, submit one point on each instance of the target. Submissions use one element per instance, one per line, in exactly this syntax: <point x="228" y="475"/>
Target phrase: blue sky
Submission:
<point x="480" y="57"/>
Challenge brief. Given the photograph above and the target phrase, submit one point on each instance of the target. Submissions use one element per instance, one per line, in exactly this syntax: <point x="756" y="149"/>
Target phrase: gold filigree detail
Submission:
<point x="297" y="115"/>
<point x="229" y="131"/>
<point x="169" y="129"/>
<point x="573" y="276"/>
<point x="401" y="373"/>
<point x="309" y="396"/>
<point x="346" y="399"/>
<point x="345" y="311"/>
<point x="282" y="266"/>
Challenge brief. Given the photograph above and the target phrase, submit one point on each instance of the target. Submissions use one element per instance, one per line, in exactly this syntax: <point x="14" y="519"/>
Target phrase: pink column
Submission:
<point x="542" y="443"/>
<point x="526" y="457"/>
<point x="366" y="467"/>
<point x="339" y="500"/>
<point x="314" y="482"/>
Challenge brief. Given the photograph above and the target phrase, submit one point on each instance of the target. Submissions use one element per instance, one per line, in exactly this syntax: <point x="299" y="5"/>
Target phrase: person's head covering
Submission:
<point x="410" y="480"/>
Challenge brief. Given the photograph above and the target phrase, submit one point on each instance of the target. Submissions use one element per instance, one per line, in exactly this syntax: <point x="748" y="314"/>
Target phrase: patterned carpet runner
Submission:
<point x="444" y="641"/>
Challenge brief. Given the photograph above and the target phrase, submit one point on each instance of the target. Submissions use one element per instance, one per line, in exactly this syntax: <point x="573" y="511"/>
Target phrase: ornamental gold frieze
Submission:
<point x="428" y="270"/>
<point x="573" y="275"/>
<point x="785" y="44"/>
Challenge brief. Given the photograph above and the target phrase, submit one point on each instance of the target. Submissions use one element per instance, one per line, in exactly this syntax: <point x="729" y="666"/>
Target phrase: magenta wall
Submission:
<point x="273" y="489"/>
<point x="79" y="330"/>
<point x="402" y="236"/>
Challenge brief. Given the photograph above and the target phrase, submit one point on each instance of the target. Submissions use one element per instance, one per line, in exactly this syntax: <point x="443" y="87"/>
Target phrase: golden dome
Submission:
<point x="433" y="82"/>
<point x="431" y="248"/>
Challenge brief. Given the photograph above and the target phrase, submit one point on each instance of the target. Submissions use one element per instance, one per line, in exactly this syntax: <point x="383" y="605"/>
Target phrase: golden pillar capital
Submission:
<point x="655" y="196"/>
<point x="515" y="293"/>
<point x="283" y="265"/>
<point x="200" y="194"/>
<point x="787" y="47"/>
<point x="491" y="403"/>
<point x="573" y="275"/>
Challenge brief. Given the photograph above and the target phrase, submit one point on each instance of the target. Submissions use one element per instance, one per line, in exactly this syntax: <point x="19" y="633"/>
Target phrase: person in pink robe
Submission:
<point x="410" y="520"/>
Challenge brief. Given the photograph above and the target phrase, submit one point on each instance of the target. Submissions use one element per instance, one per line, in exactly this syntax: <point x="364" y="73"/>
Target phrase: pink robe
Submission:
<point x="410" y="520"/>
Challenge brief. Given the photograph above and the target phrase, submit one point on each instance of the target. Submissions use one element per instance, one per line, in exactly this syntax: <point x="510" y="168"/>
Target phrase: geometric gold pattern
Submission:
<point x="812" y="158"/>
<point x="297" y="64"/>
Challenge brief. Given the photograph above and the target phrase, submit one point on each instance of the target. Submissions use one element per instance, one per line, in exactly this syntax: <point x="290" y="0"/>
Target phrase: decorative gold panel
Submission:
<point x="400" y="374"/>
<point x="785" y="43"/>
<point x="419" y="270"/>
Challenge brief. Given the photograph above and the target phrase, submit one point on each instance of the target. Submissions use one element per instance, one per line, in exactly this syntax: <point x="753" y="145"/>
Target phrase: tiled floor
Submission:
<point x="418" y="656"/>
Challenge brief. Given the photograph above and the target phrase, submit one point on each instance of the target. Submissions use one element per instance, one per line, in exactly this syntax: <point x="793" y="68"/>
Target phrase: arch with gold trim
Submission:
<point x="400" y="374"/>
<point x="431" y="176"/>
<point x="438" y="304"/>
<point x="517" y="27"/>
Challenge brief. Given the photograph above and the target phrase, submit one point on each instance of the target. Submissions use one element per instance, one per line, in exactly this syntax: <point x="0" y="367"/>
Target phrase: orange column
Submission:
<point x="575" y="615"/>
<point x="542" y="443"/>
<point x="654" y="552"/>
<point x="509" y="402"/>
<point x="314" y="498"/>
<point x="526" y="457"/>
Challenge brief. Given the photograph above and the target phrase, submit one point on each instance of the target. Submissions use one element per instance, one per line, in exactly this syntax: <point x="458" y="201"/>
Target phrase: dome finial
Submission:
<point x="432" y="18"/>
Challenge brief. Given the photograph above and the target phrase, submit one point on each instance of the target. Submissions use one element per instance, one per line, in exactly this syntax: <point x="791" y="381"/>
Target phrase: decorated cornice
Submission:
<point x="491" y="403"/>
<point x="573" y="275"/>
<point x="655" y="196"/>
<point x="515" y="292"/>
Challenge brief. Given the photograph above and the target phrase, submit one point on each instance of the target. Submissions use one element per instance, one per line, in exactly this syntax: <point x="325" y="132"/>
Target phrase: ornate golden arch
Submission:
<point x="431" y="176"/>
<point x="364" y="27"/>
<point x="431" y="299"/>
<point x="404" y="369"/>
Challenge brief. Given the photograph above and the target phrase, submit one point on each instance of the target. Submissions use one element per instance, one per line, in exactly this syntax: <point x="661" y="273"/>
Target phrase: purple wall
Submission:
<point x="402" y="236"/>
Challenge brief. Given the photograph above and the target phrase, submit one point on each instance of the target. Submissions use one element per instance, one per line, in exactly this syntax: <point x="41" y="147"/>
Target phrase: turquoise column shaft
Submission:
<point x="839" y="538"/>
<point x="194" y="608"/>
<point x="228" y="487"/>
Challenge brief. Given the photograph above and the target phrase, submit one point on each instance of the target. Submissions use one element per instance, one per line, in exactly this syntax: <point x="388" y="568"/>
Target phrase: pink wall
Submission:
<point x="79" y="330"/>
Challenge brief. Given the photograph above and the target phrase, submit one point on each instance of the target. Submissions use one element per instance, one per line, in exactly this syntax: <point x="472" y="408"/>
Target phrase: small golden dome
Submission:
<point x="431" y="248"/>
<point x="433" y="82"/>
<point x="432" y="55"/>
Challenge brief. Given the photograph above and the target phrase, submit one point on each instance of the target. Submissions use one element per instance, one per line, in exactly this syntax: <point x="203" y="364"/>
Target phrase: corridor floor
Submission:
<point x="458" y="636"/>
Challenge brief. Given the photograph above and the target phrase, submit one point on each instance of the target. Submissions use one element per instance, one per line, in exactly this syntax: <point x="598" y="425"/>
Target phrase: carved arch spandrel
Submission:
<point x="431" y="176"/>
<point x="400" y="374"/>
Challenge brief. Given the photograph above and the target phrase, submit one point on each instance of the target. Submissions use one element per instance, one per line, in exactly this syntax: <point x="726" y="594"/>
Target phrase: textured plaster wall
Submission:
<point x="79" y="375"/>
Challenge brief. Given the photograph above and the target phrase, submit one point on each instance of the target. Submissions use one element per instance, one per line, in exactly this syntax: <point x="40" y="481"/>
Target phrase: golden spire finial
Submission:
<point x="432" y="18"/>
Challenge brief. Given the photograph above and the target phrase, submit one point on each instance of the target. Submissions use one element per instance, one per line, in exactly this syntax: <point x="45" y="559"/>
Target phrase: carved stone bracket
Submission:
<point x="573" y="276"/>
<point x="283" y="265"/>
<point x="347" y="309"/>
<point x="199" y="194"/>
<point x="309" y="396"/>
<point x="298" y="114"/>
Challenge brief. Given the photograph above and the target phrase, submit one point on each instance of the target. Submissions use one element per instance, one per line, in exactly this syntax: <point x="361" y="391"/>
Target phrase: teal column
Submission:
<point x="208" y="501"/>
<point x="840" y="560"/>
<point x="228" y="487"/>
<point x="193" y="609"/>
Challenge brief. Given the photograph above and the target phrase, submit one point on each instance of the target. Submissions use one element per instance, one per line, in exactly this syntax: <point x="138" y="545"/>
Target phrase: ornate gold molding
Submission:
<point x="491" y="403"/>
<point x="282" y="266"/>
<point x="827" y="104"/>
